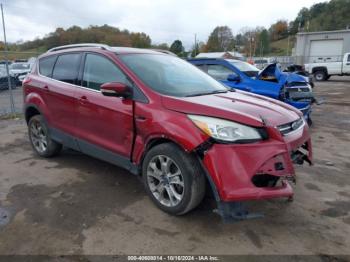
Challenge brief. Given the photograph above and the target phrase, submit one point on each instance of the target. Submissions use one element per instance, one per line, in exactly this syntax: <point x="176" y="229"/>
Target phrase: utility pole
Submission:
<point x="195" y="45"/>
<point x="6" y="62"/>
<point x="288" y="45"/>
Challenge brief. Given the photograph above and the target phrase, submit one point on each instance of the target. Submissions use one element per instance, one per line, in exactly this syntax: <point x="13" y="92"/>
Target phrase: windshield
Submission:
<point x="171" y="75"/>
<point x="20" y="66"/>
<point x="243" y="66"/>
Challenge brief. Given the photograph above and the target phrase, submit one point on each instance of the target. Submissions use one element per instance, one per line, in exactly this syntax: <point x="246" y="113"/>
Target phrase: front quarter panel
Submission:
<point x="152" y="123"/>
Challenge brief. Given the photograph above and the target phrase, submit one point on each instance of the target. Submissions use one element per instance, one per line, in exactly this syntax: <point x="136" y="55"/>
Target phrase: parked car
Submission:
<point x="4" y="84"/>
<point x="3" y="62"/>
<point x="161" y="118"/>
<point x="272" y="82"/>
<point x="19" y="71"/>
<point x="261" y="62"/>
<point x="324" y="69"/>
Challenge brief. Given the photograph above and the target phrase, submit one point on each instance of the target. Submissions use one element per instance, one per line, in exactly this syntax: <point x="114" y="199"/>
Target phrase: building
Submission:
<point x="226" y="55"/>
<point x="322" y="46"/>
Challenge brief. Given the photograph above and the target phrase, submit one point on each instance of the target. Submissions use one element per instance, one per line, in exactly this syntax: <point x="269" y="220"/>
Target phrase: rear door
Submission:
<point x="60" y="87"/>
<point x="105" y="124"/>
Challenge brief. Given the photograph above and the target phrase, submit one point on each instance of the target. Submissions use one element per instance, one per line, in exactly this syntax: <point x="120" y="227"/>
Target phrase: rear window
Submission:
<point x="66" y="68"/>
<point x="46" y="65"/>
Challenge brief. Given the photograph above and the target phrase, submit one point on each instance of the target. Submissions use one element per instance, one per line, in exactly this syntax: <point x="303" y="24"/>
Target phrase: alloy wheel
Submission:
<point x="38" y="136"/>
<point x="165" y="180"/>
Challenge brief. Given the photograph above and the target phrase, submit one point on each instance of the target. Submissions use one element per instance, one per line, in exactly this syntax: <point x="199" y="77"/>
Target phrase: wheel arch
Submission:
<point x="152" y="142"/>
<point x="30" y="111"/>
<point x="320" y="68"/>
<point x="196" y="155"/>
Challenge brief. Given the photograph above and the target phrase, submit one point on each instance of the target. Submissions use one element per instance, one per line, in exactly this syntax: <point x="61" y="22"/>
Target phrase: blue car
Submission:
<point x="290" y="88"/>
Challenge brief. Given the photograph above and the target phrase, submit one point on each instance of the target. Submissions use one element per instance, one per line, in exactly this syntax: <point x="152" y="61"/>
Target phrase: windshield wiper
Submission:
<point x="208" y="93"/>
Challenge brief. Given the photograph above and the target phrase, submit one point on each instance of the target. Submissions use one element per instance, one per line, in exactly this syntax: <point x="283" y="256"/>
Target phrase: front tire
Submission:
<point x="40" y="138"/>
<point x="173" y="179"/>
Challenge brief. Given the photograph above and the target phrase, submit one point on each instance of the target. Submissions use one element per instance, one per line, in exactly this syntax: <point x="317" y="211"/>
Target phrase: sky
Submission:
<point x="162" y="20"/>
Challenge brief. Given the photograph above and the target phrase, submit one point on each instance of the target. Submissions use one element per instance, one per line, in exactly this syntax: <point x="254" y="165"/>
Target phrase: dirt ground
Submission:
<point x="74" y="204"/>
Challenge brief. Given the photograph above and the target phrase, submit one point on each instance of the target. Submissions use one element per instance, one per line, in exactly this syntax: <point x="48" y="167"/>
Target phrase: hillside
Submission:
<point x="279" y="48"/>
<point x="326" y="16"/>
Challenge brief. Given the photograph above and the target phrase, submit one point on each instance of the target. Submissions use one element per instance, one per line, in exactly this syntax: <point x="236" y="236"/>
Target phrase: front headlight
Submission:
<point x="225" y="130"/>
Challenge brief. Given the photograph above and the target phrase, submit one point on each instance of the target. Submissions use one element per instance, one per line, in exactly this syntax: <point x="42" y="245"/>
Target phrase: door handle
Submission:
<point x="83" y="99"/>
<point x="141" y="118"/>
<point x="46" y="88"/>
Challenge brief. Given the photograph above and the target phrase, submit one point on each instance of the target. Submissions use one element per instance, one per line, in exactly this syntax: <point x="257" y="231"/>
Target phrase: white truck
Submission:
<point x="324" y="69"/>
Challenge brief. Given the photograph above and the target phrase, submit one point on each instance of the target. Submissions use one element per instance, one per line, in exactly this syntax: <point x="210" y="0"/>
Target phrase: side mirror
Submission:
<point x="116" y="89"/>
<point x="233" y="78"/>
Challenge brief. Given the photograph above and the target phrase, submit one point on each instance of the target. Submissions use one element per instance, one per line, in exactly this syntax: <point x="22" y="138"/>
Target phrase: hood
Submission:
<point x="293" y="77"/>
<point x="239" y="106"/>
<point x="282" y="77"/>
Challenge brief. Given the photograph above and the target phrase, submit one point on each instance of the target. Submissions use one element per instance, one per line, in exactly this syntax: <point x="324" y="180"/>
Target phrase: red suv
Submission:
<point x="163" y="119"/>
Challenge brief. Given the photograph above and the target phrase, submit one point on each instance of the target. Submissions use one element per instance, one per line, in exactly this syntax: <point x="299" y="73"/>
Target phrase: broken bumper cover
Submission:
<point x="259" y="170"/>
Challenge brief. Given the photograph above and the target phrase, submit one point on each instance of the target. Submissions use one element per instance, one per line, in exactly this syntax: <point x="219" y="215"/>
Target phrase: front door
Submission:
<point x="105" y="124"/>
<point x="221" y="73"/>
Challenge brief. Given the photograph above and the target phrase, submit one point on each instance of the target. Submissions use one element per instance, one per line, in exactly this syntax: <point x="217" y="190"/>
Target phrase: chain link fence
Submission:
<point x="11" y="97"/>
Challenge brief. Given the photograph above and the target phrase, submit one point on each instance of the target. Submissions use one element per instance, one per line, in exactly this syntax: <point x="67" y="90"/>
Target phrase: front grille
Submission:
<point x="299" y="89"/>
<point x="290" y="127"/>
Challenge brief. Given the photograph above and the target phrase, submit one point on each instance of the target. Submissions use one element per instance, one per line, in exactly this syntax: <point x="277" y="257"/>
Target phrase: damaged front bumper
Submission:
<point x="259" y="170"/>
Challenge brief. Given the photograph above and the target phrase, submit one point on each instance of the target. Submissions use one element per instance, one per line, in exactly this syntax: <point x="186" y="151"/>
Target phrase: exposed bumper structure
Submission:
<point x="260" y="170"/>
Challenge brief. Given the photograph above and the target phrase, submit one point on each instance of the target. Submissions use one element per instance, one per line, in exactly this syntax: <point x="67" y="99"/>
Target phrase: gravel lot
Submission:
<point x="74" y="204"/>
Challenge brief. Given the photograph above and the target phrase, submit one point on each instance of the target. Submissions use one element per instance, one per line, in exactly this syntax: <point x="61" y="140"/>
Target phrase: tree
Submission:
<point x="221" y="39"/>
<point x="279" y="30"/>
<point x="163" y="46"/>
<point x="140" y="40"/>
<point x="200" y="47"/>
<point x="176" y="47"/>
<point x="263" y="43"/>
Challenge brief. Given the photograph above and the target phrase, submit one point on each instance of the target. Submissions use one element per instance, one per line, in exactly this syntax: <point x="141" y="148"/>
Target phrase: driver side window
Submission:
<point x="99" y="70"/>
<point x="220" y="72"/>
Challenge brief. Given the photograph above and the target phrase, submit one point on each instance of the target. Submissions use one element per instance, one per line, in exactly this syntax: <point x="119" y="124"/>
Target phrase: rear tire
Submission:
<point x="320" y="75"/>
<point x="40" y="138"/>
<point x="173" y="179"/>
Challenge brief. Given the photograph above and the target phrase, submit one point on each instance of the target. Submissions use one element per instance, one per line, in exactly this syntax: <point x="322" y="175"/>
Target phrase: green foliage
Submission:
<point x="198" y="48"/>
<point x="334" y="15"/>
<point x="93" y="34"/>
<point x="163" y="46"/>
<point x="140" y="40"/>
<point x="176" y="47"/>
<point x="263" y="46"/>
<point x="279" y="30"/>
<point x="221" y="39"/>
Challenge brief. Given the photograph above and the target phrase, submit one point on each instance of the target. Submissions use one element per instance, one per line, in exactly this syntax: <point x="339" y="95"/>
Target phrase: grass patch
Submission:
<point x="11" y="116"/>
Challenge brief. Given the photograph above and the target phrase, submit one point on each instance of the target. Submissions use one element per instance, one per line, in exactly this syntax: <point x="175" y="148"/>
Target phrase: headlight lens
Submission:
<point x="225" y="130"/>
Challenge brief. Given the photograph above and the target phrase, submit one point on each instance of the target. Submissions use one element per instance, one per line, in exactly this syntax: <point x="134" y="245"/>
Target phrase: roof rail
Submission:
<point x="101" y="46"/>
<point x="163" y="51"/>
